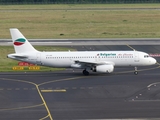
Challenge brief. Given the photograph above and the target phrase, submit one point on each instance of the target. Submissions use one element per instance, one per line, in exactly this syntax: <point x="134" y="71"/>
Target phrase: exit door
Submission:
<point x="136" y="56"/>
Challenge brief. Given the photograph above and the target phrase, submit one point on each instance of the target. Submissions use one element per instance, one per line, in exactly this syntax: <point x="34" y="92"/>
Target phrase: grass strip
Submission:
<point x="44" y="21"/>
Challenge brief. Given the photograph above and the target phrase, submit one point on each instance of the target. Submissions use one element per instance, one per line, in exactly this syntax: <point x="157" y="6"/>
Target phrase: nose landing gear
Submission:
<point x="135" y="71"/>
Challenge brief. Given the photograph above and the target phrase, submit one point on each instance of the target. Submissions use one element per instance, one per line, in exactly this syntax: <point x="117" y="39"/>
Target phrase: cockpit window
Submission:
<point x="146" y="56"/>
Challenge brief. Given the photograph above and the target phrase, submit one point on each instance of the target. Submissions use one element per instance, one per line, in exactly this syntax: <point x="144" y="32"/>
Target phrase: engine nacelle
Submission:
<point x="103" y="68"/>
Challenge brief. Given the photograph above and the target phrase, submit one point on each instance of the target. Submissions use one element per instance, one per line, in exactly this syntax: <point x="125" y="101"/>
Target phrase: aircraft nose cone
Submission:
<point x="154" y="61"/>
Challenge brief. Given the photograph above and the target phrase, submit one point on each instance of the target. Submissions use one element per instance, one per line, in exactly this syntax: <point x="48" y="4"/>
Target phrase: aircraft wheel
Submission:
<point x="136" y="72"/>
<point x="85" y="72"/>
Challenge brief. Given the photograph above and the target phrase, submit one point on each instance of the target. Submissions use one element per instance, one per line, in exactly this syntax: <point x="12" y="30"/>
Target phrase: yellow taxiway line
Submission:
<point x="61" y="90"/>
<point x="19" y="108"/>
<point x="39" y="92"/>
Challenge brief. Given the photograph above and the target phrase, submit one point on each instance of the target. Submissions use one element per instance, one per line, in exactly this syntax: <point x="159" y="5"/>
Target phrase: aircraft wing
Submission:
<point x="93" y="63"/>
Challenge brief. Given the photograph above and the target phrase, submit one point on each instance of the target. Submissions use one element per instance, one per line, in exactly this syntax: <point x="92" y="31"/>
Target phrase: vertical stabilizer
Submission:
<point x="21" y="44"/>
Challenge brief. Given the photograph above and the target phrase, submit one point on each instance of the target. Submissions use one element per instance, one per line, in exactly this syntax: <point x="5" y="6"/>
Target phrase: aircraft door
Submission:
<point x="136" y="57"/>
<point x="97" y="58"/>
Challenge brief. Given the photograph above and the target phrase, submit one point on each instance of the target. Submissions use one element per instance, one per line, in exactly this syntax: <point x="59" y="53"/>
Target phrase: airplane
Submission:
<point x="96" y="61"/>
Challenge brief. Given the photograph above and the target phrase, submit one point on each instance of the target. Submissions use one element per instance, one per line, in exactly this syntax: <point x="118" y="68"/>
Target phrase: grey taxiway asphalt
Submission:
<point x="68" y="95"/>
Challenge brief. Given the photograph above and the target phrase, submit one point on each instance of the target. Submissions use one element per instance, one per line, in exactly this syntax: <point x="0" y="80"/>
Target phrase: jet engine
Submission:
<point x="103" y="68"/>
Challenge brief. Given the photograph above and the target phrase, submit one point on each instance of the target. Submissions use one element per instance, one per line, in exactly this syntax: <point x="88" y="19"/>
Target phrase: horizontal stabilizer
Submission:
<point x="17" y="56"/>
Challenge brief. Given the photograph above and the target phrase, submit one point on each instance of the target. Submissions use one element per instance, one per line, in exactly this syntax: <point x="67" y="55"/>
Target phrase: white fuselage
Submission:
<point x="67" y="59"/>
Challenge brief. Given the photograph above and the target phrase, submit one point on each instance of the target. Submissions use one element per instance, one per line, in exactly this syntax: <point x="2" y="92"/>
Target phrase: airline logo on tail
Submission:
<point x="19" y="41"/>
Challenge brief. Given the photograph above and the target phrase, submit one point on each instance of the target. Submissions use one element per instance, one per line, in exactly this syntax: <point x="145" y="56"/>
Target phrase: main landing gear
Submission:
<point x="135" y="71"/>
<point x="85" y="72"/>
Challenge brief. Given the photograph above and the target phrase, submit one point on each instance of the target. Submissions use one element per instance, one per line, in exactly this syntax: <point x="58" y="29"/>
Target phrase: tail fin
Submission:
<point x="21" y="44"/>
